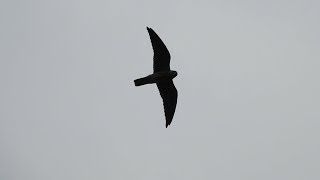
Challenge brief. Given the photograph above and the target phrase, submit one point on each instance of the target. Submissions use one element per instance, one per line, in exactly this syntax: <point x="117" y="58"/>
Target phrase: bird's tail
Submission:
<point x="143" y="81"/>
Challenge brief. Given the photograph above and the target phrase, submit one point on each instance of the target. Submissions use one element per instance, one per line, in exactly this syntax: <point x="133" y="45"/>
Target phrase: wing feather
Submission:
<point x="161" y="56"/>
<point x="169" y="96"/>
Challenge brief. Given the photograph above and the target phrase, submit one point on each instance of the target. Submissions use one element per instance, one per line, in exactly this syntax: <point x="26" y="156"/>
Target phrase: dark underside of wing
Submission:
<point x="169" y="96"/>
<point x="161" y="57"/>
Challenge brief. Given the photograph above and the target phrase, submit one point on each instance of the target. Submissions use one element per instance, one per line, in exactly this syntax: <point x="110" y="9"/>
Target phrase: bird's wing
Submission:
<point x="169" y="96"/>
<point x="161" y="56"/>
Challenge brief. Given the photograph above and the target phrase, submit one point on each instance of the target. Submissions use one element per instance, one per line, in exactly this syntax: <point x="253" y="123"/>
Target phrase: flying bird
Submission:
<point x="162" y="76"/>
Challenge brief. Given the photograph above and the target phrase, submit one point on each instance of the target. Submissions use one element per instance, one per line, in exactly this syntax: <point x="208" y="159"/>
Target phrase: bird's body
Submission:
<point x="157" y="77"/>
<point x="162" y="76"/>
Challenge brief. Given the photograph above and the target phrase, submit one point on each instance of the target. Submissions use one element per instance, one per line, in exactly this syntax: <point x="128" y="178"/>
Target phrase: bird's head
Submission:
<point x="173" y="74"/>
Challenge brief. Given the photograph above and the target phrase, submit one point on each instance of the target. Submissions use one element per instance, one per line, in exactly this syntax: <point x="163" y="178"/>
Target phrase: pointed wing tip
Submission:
<point x="149" y="29"/>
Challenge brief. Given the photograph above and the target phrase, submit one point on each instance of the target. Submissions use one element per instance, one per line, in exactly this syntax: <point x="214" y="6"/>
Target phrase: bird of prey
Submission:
<point x="162" y="76"/>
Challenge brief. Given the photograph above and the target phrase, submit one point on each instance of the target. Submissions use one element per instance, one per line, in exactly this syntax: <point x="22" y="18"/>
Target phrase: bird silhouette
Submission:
<point x="162" y="76"/>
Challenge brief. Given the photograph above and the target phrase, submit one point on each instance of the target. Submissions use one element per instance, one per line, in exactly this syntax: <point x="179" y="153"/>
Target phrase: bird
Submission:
<point x="162" y="76"/>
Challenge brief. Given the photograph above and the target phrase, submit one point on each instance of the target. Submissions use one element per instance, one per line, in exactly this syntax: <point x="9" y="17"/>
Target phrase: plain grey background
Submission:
<point x="248" y="82"/>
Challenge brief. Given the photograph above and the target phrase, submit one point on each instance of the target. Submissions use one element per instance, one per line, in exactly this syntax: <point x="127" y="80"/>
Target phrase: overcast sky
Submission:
<point x="248" y="83"/>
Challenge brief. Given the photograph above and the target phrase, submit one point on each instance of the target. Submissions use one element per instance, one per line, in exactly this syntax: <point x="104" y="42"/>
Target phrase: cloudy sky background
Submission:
<point x="248" y="85"/>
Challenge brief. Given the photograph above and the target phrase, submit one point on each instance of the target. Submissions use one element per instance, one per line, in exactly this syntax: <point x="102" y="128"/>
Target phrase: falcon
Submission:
<point x="162" y="76"/>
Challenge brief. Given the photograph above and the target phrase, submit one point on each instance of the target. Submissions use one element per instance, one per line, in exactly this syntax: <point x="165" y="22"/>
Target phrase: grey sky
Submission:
<point x="248" y="82"/>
